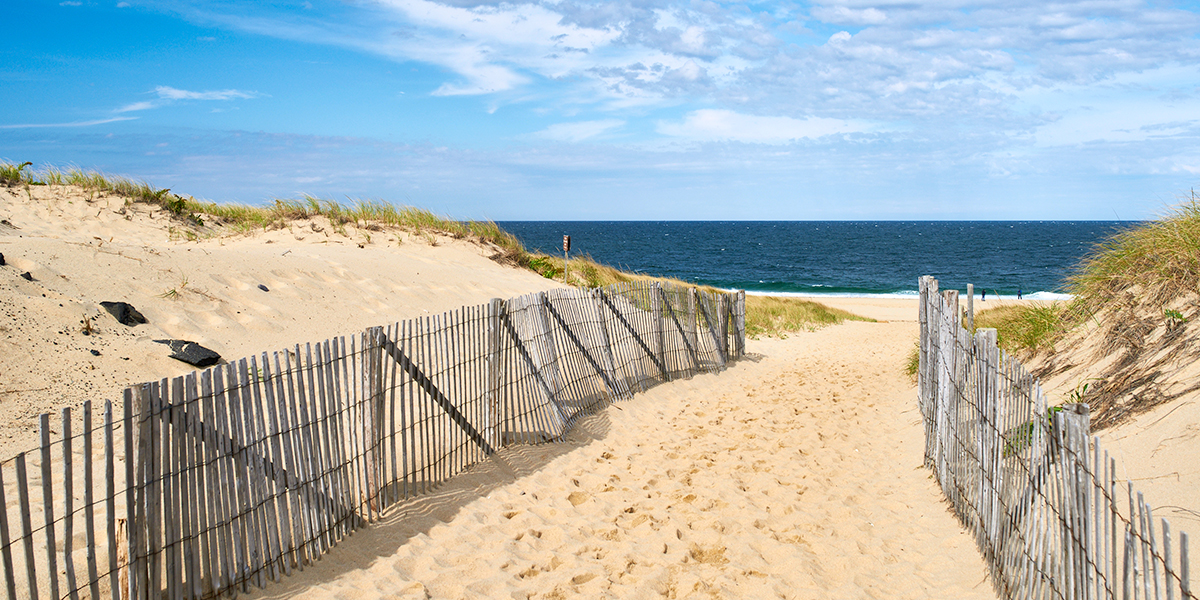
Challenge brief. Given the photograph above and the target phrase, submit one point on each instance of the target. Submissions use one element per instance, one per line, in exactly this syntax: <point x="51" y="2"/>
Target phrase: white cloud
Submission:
<point x="72" y="124"/>
<point x="170" y="93"/>
<point x="725" y="125"/>
<point x="843" y="15"/>
<point x="579" y="130"/>
<point x="167" y="95"/>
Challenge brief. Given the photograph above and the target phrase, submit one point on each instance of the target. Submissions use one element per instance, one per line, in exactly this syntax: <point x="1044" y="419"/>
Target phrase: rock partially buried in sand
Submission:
<point x="263" y="288"/>
<point x="27" y="276"/>
<point x="191" y="353"/>
<point x="1" y="259"/>
<point x="124" y="313"/>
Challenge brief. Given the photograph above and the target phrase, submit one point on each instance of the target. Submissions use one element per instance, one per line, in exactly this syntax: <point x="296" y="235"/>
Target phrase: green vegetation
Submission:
<point x="1149" y="265"/>
<point x="912" y="363"/>
<point x="11" y="174"/>
<point x="1026" y="327"/>
<point x="1160" y="259"/>
<point x="774" y="316"/>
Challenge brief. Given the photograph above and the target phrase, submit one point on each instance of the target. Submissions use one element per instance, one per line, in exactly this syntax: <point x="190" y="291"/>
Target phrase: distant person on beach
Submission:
<point x="1018" y="293"/>
<point x="984" y="296"/>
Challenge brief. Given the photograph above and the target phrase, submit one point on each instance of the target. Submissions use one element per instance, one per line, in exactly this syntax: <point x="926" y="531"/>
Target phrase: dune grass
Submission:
<point x="1150" y="265"/>
<point x="1159" y="259"/>
<point x="362" y="214"/>
<point x="773" y="316"/>
<point x="1026" y="327"/>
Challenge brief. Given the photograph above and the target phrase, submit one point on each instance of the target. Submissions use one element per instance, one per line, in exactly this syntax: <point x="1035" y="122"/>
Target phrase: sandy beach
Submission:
<point x="796" y="473"/>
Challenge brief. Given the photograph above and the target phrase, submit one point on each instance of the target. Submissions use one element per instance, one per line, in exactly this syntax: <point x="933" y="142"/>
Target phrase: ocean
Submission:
<point x="845" y="258"/>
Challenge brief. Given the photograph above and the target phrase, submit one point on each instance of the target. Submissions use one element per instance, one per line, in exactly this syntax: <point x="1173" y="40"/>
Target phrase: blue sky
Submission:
<point x="631" y="109"/>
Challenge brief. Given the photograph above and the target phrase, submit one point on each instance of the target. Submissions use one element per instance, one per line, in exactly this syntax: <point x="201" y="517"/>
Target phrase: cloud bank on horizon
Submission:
<point x="565" y="109"/>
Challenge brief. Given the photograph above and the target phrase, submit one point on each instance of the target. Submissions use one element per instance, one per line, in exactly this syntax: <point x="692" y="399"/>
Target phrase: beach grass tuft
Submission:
<point x="773" y="316"/>
<point x="1026" y="327"/>
<point x="1150" y="265"/>
<point x="13" y="174"/>
<point x="1160" y="259"/>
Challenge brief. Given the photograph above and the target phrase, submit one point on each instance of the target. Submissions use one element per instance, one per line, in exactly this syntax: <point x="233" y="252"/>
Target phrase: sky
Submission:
<point x="622" y="110"/>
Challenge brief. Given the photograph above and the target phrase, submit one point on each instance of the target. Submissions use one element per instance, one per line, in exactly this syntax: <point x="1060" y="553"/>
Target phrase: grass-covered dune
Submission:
<point x="1128" y="337"/>
<point x="765" y="316"/>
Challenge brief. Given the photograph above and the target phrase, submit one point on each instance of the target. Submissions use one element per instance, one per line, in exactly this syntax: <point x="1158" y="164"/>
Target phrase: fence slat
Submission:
<point x="10" y="577"/>
<point x="89" y="521"/>
<point x="68" y="505"/>
<point x="48" y="503"/>
<point x="26" y="527"/>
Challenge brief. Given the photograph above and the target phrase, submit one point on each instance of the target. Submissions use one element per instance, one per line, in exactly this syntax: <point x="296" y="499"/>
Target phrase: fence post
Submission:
<point x="656" y="310"/>
<point x="971" y="307"/>
<point x="986" y="408"/>
<point x="1075" y="435"/>
<point x="723" y="323"/>
<point x="494" y="406"/>
<point x="927" y="369"/>
<point x="609" y="359"/>
<point x="947" y="394"/>
<point x="741" y="323"/>
<point x="693" y="328"/>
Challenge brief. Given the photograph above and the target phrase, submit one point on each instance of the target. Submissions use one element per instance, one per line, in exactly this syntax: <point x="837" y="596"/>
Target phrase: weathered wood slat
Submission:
<point x="221" y="555"/>
<point x="48" y="504"/>
<point x="268" y="453"/>
<point x="293" y="449"/>
<point x="68" y="459"/>
<point x="282" y="455"/>
<point x="89" y="500"/>
<point x="10" y="577"/>
<point x="31" y="578"/>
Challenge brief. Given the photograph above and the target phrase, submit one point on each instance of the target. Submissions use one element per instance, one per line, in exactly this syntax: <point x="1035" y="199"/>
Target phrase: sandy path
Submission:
<point x="794" y="474"/>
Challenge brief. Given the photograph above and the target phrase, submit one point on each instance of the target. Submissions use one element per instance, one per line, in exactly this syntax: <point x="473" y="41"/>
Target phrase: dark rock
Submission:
<point x="27" y="276"/>
<point x="263" y="287"/>
<point x="124" y="313"/>
<point x="94" y="352"/>
<point x="191" y="353"/>
<point x="1" y="259"/>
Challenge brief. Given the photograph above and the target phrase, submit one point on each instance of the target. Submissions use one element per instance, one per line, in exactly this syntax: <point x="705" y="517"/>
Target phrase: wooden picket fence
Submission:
<point x="1037" y="491"/>
<point x="204" y="485"/>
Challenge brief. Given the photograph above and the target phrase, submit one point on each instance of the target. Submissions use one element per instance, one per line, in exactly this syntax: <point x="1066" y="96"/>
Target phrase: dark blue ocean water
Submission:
<point x="834" y="257"/>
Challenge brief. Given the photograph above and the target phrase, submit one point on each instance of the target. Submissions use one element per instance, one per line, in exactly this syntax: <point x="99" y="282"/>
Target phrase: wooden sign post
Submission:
<point x="566" y="251"/>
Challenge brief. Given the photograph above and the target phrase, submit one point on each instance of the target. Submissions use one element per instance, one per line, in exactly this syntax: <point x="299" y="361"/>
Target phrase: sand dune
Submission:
<point x="81" y="250"/>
